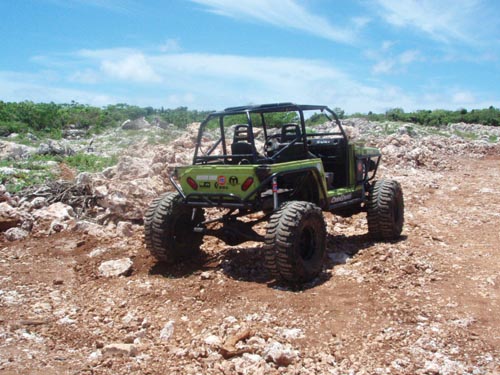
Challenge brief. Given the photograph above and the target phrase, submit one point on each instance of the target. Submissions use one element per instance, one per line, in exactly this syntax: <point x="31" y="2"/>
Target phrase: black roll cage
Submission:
<point x="261" y="110"/>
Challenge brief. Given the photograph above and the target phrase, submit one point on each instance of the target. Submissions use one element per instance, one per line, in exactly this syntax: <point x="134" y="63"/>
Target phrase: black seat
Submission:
<point x="291" y="146"/>
<point x="290" y="132"/>
<point x="242" y="144"/>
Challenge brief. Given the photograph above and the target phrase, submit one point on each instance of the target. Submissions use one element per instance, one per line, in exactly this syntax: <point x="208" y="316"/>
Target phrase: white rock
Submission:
<point x="252" y="357"/>
<point x="91" y="228"/>
<point x="66" y="320"/>
<point x="15" y="234"/>
<point x="97" y="252"/>
<point x="115" y="267"/>
<point x="205" y="275"/>
<point x="124" y="229"/>
<point x="95" y="355"/>
<point x="101" y="191"/>
<point x="56" y="211"/>
<point x="292" y="333"/>
<point x="280" y="354"/>
<point x="9" y="216"/>
<point x="338" y="258"/>
<point x="167" y="331"/>
<point x="39" y="202"/>
<point x="212" y="340"/>
<point x="128" y="318"/>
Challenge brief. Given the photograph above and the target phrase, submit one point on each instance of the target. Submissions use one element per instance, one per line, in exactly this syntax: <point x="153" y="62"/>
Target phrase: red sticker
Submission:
<point x="221" y="180"/>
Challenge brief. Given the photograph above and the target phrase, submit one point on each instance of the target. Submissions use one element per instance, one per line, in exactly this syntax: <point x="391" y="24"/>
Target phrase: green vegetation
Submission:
<point x="39" y="169"/>
<point x="16" y="175"/>
<point x="90" y="163"/>
<point x="488" y="116"/>
<point x="48" y="120"/>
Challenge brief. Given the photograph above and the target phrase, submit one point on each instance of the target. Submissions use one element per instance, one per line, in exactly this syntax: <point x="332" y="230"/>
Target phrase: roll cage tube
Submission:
<point x="261" y="110"/>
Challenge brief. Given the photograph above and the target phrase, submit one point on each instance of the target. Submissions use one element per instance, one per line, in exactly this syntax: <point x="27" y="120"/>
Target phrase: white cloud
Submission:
<point x="214" y="81"/>
<point x="22" y="86"/>
<point x="384" y="66"/>
<point x="407" y="57"/>
<point x="443" y="20"/>
<point x="463" y="98"/>
<point x="170" y="45"/>
<point x="85" y="76"/>
<point x="134" y="67"/>
<point x="389" y="63"/>
<point x="387" y="45"/>
<point x="285" y="14"/>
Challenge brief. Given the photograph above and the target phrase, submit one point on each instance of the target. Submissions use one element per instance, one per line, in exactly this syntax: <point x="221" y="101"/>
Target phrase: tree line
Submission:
<point x="489" y="116"/>
<point x="51" y="119"/>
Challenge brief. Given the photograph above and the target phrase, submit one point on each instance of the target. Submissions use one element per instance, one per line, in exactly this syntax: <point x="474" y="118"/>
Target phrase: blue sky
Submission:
<point x="358" y="55"/>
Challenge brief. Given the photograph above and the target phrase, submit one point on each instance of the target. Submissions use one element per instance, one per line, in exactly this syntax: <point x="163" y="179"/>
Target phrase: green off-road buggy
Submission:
<point x="268" y="163"/>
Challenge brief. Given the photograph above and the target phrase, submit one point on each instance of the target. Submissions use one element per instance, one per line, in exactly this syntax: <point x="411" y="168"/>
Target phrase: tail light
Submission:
<point x="248" y="182"/>
<point x="192" y="183"/>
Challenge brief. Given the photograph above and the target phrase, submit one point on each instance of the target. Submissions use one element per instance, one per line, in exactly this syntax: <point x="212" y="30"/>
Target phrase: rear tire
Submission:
<point x="168" y="229"/>
<point x="295" y="242"/>
<point x="385" y="210"/>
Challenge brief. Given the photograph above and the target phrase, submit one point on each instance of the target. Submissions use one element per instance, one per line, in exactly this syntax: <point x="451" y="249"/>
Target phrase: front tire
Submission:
<point x="385" y="210"/>
<point x="295" y="242"/>
<point x="168" y="229"/>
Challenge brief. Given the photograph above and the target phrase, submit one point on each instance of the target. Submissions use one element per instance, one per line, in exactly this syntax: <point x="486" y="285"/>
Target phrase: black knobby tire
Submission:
<point x="385" y="210"/>
<point x="295" y="242"/>
<point x="168" y="229"/>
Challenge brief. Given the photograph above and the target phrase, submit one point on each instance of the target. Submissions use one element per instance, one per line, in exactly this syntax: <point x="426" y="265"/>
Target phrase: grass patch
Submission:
<point x="39" y="169"/>
<point x="466" y="135"/>
<point x="89" y="162"/>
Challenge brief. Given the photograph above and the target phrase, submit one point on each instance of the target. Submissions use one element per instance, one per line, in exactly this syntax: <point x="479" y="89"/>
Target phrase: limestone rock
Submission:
<point x="14" y="151"/>
<point x="16" y="234"/>
<point x="137" y="124"/>
<point x="117" y="267"/>
<point x="9" y="216"/>
<point x="167" y="331"/>
<point x="55" y="148"/>
<point x="279" y="354"/>
<point x="56" y="211"/>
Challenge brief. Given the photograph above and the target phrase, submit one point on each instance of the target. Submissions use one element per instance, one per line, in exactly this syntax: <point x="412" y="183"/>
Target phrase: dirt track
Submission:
<point x="427" y="304"/>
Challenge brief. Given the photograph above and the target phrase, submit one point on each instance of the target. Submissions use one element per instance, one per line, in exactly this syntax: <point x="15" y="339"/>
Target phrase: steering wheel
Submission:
<point x="272" y="142"/>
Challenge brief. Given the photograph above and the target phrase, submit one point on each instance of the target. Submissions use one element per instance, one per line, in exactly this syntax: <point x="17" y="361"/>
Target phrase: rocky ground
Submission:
<point x="79" y="293"/>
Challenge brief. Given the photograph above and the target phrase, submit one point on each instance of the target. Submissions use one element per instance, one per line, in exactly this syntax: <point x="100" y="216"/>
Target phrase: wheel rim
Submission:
<point x="307" y="243"/>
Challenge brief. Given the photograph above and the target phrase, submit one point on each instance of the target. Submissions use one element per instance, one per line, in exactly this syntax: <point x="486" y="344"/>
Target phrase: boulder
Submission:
<point x="279" y="354"/>
<point x="55" y="148"/>
<point x="137" y="124"/>
<point x="16" y="234"/>
<point x="56" y="211"/>
<point x="38" y="203"/>
<point x="9" y="216"/>
<point x="14" y="151"/>
<point x="117" y="267"/>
